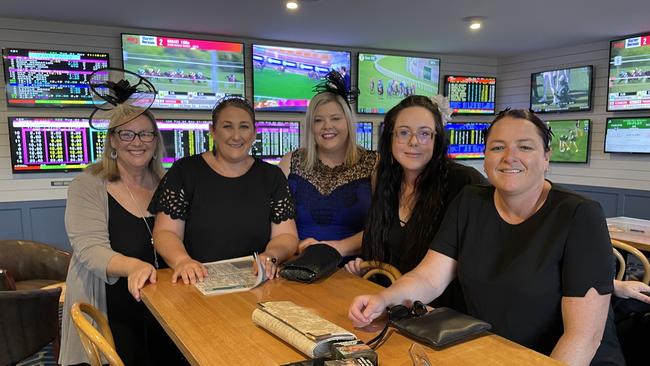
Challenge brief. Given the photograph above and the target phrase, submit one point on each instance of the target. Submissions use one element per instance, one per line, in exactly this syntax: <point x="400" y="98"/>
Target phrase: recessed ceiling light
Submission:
<point x="292" y="4"/>
<point x="475" y="22"/>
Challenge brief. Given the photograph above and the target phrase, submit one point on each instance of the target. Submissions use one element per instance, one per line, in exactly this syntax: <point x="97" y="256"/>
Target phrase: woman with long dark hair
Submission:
<point x="414" y="183"/>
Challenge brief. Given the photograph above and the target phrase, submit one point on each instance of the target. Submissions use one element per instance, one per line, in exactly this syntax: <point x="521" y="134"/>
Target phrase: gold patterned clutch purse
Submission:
<point x="301" y="328"/>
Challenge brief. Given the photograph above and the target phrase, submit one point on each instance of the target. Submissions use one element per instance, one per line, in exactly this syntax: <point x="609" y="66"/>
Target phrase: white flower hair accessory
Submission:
<point x="443" y="106"/>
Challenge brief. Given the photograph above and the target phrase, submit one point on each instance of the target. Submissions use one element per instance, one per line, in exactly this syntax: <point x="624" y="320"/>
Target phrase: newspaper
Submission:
<point x="300" y="327"/>
<point x="231" y="275"/>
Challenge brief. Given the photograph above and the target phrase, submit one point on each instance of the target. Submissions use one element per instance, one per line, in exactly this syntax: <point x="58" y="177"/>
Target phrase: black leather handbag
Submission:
<point x="437" y="328"/>
<point x="316" y="262"/>
<point x="441" y="327"/>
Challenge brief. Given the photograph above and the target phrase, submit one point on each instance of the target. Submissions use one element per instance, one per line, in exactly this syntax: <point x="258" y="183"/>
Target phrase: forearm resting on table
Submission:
<point x="170" y="247"/>
<point x="584" y="323"/>
<point x="282" y="246"/>
<point x="425" y="282"/>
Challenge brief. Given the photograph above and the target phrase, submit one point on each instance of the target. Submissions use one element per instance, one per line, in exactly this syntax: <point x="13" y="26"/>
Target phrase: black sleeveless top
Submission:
<point x="129" y="236"/>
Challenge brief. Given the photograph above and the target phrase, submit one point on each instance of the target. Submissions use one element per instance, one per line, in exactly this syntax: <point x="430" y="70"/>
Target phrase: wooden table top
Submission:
<point x="639" y="241"/>
<point x="218" y="330"/>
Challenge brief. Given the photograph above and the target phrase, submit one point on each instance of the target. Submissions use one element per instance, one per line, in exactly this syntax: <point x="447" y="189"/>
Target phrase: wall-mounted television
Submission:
<point x="53" y="144"/>
<point x="466" y="140"/>
<point x="628" y="87"/>
<point x="570" y="143"/>
<point x="276" y="138"/>
<point x="471" y="95"/>
<point x="187" y="73"/>
<point x="184" y="137"/>
<point x="364" y="134"/>
<point x="627" y="135"/>
<point x="384" y="80"/>
<point x="41" y="78"/>
<point x="284" y="77"/>
<point x="561" y="90"/>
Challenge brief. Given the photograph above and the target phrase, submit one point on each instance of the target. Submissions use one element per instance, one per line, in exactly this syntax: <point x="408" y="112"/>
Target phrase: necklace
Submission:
<point x="155" y="256"/>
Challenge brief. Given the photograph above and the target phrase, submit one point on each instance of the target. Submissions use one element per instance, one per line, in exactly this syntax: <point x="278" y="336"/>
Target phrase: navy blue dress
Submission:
<point x="331" y="203"/>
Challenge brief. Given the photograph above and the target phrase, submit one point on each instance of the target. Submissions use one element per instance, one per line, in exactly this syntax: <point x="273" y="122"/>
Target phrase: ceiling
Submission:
<point x="433" y="26"/>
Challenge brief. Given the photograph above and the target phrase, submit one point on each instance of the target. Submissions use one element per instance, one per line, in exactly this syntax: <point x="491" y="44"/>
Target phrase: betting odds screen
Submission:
<point x="466" y="140"/>
<point x="38" y="78"/>
<point x="471" y="94"/>
<point x="364" y="134"/>
<point x="184" y="138"/>
<point x="47" y="144"/>
<point x="276" y="138"/>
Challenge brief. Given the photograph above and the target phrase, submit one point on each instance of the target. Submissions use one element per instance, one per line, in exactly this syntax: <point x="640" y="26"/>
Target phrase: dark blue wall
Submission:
<point x="43" y="220"/>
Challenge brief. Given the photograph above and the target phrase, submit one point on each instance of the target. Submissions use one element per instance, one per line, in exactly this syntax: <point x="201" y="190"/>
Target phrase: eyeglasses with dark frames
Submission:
<point x="128" y="135"/>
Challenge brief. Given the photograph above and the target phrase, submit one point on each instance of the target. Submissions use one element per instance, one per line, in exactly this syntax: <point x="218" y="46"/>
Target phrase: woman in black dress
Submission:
<point x="533" y="259"/>
<point x="224" y="203"/>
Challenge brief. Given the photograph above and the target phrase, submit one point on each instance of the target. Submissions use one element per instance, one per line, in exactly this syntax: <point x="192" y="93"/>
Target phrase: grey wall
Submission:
<point x="603" y="170"/>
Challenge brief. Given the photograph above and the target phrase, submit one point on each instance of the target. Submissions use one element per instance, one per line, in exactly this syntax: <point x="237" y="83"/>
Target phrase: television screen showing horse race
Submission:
<point x="385" y="80"/>
<point x="570" y="143"/>
<point x="284" y="77"/>
<point x="187" y="73"/>
<point x="563" y="90"/>
<point x="629" y="74"/>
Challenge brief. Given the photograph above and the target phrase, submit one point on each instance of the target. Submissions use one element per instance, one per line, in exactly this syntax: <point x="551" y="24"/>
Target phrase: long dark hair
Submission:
<point x="429" y="191"/>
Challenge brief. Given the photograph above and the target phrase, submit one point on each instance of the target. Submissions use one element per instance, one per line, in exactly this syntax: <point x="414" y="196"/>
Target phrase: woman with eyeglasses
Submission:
<point x="533" y="259"/>
<point x="414" y="183"/>
<point x="109" y="228"/>
<point x="224" y="203"/>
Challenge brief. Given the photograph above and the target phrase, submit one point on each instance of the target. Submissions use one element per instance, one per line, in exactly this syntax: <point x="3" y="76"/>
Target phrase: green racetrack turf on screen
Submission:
<point x="196" y="61"/>
<point x="367" y="71"/>
<point x="269" y="84"/>
<point x="567" y="138"/>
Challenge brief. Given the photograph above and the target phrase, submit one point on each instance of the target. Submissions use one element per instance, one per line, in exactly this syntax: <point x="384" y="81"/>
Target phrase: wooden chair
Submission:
<point x="95" y="343"/>
<point x="618" y="245"/>
<point x="380" y="268"/>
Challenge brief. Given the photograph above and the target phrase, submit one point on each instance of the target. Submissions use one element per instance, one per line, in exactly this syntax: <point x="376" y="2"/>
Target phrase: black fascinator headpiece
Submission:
<point x="333" y="82"/>
<point x="118" y="92"/>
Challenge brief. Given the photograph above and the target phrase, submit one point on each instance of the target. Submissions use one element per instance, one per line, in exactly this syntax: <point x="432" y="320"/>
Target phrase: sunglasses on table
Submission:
<point x="396" y="313"/>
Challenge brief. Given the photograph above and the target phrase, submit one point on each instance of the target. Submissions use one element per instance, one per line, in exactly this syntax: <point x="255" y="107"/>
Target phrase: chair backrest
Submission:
<point x="27" y="260"/>
<point x="29" y="320"/>
<point x="637" y="253"/>
<point x="96" y="343"/>
<point x="380" y="268"/>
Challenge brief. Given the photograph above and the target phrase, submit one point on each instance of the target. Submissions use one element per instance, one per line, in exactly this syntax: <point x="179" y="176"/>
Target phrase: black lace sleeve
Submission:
<point x="171" y="196"/>
<point x="282" y="206"/>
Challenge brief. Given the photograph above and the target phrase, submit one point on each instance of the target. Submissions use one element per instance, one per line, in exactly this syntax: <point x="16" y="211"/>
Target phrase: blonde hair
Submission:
<point x="106" y="168"/>
<point x="352" y="154"/>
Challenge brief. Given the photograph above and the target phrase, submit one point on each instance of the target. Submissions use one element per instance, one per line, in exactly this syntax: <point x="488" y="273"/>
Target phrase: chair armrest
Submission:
<point x="7" y="282"/>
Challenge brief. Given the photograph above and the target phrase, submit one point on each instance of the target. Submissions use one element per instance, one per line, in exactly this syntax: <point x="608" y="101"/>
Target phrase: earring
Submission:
<point x="114" y="154"/>
<point x="155" y="155"/>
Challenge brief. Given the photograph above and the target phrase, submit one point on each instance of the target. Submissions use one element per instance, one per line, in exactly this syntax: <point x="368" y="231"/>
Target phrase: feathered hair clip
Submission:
<point x="334" y="82"/>
<point x="443" y="107"/>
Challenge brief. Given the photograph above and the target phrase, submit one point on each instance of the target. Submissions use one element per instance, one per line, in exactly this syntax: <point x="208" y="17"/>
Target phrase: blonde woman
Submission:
<point x="330" y="177"/>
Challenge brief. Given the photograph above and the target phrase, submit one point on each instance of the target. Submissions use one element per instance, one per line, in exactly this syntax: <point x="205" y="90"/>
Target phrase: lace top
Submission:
<point x="331" y="203"/>
<point x="224" y="217"/>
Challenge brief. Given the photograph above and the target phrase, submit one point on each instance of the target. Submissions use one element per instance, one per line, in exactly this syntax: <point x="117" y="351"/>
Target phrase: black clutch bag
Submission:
<point x="316" y="262"/>
<point x="441" y="327"/>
